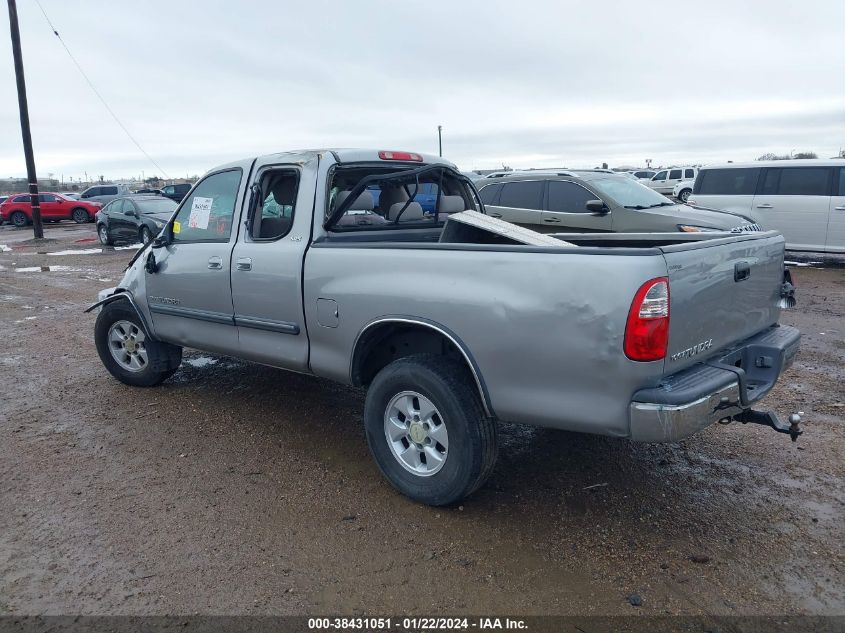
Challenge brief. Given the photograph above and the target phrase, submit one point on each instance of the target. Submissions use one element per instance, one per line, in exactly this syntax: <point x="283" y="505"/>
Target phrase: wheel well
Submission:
<point x="381" y="344"/>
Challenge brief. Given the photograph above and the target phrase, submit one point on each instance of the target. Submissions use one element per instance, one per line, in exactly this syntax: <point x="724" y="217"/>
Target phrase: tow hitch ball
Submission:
<point x="768" y="418"/>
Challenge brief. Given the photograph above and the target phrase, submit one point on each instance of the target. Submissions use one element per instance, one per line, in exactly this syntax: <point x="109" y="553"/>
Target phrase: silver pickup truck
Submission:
<point x="327" y="262"/>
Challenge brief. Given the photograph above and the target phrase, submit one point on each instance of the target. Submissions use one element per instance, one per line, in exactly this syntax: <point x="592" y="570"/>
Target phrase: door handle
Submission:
<point x="244" y="263"/>
<point x="551" y="220"/>
<point x="765" y="205"/>
<point x="215" y="262"/>
<point x="839" y="208"/>
<point x="495" y="215"/>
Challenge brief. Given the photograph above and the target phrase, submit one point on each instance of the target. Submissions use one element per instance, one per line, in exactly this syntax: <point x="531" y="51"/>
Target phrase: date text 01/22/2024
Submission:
<point x="415" y="624"/>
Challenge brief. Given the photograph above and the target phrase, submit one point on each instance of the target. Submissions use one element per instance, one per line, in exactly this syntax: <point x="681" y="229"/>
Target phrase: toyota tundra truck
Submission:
<point x="452" y="320"/>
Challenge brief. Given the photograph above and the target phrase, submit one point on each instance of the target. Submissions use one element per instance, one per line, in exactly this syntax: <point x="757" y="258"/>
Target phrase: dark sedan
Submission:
<point x="135" y="219"/>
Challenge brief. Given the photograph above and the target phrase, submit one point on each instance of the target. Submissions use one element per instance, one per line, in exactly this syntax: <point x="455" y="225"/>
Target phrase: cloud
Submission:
<point x="527" y="84"/>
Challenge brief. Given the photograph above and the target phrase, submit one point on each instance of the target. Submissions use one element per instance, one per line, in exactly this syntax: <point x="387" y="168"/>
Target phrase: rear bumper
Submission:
<point x="721" y="387"/>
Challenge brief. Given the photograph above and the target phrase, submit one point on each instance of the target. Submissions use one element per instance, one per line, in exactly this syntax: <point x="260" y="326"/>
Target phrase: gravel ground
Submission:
<point x="235" y="488"/>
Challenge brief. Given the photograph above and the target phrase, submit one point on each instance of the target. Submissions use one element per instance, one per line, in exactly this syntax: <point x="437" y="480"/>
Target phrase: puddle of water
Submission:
<point x="84" y="251"/>
<point x="201" y="361"/>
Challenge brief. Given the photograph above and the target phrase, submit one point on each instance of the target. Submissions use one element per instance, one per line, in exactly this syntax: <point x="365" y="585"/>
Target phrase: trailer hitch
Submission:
<point x="768" y="418"/>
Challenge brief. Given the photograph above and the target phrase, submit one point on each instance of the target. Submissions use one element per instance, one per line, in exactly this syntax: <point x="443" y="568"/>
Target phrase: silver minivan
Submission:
<point x="803" y="199"/>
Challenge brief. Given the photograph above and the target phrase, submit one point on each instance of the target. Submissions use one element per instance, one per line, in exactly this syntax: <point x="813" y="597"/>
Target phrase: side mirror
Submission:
<point x="162" y="239"/>
<point x="597" y="207"/>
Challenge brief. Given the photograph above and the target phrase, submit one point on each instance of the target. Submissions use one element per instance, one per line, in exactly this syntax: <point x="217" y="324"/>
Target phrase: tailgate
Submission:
<point x="721" y="291"/>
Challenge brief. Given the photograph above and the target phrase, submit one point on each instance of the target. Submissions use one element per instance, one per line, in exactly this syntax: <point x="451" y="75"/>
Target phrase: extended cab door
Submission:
<point x="796" y="202"/>
<point x="267" y="265"/>
<point x="190" y="296"/>
<point x="566" y="209"/>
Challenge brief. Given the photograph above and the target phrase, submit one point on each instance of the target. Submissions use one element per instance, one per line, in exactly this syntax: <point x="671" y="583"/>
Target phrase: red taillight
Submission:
<point x="647" y="329"/>
<point x="384" y="155"/>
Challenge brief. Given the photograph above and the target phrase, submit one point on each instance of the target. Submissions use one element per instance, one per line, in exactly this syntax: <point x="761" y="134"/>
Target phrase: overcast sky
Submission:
<point x="518" y="82"/>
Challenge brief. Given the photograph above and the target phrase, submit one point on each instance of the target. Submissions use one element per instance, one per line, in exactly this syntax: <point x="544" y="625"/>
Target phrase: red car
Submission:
<point x="17" y="209"/>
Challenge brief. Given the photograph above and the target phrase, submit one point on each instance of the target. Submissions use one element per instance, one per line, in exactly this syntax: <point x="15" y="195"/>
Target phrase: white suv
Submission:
<point x="666" y="179"/>
<point x="803" y="199"/>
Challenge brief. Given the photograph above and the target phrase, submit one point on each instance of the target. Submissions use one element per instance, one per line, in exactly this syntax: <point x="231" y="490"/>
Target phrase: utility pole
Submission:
<point x="37" y="227"/>
<point x="440" y="139"/>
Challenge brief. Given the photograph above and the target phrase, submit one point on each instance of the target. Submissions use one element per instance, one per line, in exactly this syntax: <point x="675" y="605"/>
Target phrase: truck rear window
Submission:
<point x="389" y="197"/>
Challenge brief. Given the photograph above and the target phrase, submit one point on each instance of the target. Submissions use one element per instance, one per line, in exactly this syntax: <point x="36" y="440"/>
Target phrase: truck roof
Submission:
<point x="342" y="155"/>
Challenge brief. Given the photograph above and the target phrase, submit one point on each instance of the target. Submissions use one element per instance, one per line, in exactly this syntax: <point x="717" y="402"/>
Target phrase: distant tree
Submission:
<point x="771" y="156"/>
<point x="805" y="155"/>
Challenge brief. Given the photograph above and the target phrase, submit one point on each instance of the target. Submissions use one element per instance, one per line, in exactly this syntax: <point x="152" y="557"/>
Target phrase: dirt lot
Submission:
<point x="235" y="488"/>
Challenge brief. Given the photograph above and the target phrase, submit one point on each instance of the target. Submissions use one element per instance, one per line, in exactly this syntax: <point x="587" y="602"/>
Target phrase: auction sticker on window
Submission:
<point x="200" y="213"/>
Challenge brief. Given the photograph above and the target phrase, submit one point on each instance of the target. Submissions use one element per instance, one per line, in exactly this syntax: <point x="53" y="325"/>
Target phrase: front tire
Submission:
<point x="145" y="235"/>
<point x="19" y="219"/>
<point x="128" y="354"/>
<point x="427" y="430"/>
<point x="684" y="195"/>
<point x="80" y="216"/>
<point x="103" y="234"/>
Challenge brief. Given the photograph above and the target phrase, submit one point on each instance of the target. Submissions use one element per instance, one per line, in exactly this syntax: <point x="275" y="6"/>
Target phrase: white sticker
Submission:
<point x="200" y="213"/>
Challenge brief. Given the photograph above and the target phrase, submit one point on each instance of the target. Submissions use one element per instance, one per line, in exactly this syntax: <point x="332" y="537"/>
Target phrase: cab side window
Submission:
<point x="660" y="176"/>
<point x="675" y="174"/>
<point x="273" y="215"/>
<point x="207" y="215"/>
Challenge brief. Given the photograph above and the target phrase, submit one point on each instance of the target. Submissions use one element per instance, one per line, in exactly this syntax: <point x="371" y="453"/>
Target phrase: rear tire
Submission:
<point x="19" y="219"/>
<point x="121" y="342"/>
<point x="684" y="195"/>
<point x="80" y="216"/>
<point x="411" y="460"/>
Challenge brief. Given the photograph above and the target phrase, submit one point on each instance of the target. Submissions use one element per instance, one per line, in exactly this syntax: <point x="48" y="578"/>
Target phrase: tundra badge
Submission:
<point x="693" y="351"/>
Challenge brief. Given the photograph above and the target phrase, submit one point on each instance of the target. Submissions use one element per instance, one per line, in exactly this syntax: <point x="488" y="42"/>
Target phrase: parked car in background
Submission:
<point x="155" y="192"/>
<point x="803" y="199"/>
<point x="176" y="192"/>
<point x="17" y="209"/>
<point x="643" y="174"/>
<point x="666" y="179"/>
<point x="104" y="193"/>
<point x="682" y="190"/>
<point x="138" y="218"/>
<point x="594" y="201"/>
<point x="70" y="195"/>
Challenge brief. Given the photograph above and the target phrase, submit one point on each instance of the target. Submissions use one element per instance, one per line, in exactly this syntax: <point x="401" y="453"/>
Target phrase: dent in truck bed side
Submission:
<point x="545" y="329"/>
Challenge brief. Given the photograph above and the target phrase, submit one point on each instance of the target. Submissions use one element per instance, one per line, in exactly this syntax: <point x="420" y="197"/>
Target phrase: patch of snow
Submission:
<point x="801" y="264"/>
<point x="57" y="269"/>
<point x="84" y="251"/>
<point x="30" y="318"/>
<point x="130" y="246"/>
<point x="201" y="361"/>
<point x="104" y="280"/>
<point x="5" y="249"/>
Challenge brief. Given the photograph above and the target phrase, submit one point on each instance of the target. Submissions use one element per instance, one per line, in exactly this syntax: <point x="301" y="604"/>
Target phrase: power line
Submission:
<point x="97" y="92"/>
